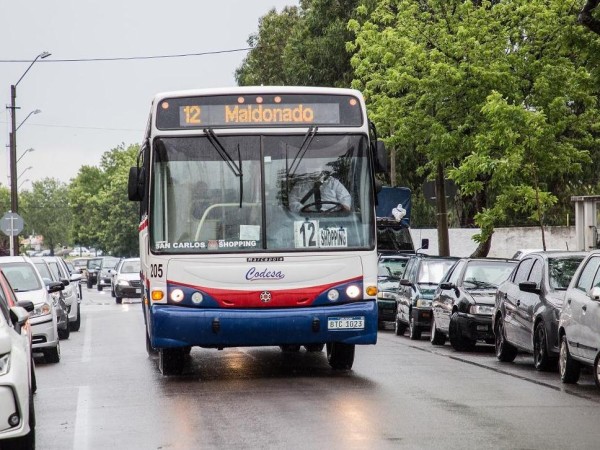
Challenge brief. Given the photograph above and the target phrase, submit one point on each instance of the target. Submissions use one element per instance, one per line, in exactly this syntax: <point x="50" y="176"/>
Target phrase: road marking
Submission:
<point x="81" y="439"/>
<point x="86" y="352"/>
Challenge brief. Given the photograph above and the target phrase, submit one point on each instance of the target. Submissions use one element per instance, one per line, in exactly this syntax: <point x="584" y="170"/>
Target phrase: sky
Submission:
<point x="88" y="108"/>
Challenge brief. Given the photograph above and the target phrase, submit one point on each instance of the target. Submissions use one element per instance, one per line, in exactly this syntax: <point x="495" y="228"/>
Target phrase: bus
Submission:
<point x="233" y="252"/>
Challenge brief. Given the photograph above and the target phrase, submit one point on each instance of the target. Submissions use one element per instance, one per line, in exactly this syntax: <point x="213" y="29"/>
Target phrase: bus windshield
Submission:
<point x="249" y="193"/>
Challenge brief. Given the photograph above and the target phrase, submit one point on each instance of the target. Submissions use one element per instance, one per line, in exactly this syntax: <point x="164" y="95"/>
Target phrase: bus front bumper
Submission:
<point x="176" y="326"/>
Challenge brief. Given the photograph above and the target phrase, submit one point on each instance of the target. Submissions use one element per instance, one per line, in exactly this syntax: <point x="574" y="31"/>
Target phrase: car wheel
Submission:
<point x="541" y="360"/>
<point x="505" y="352"/>
<point x="597" y="370"/>
<point x="99" y="287"/>
<point x="112" y="292"/>
<point x="149" y="349"/>
<point x="171" y="361"/>
<point x="33" y="378"/>
<point x="119" y="300"/>
<point x="569" y="368"/>
<point x="340" y="356"/>
<point x="289" y="348"/>
<point x="76" y="324"/>
<point x="399" y="328"/>
<point x="436" y="337"/>
<point x="64" y="333"/>
<point x="458" y="342"/>
<point x="413" y="331"/>
<point x="314" y="348"/>
<point x="52" y="354"/>
<point x="89" y="284"/>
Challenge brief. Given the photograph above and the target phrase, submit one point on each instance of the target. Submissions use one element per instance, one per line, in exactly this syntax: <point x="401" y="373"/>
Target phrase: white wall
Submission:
<point x="505" y="241"/>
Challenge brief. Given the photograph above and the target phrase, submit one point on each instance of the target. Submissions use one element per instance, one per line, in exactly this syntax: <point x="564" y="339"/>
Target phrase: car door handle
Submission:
<point x="569" y="301"/>
<point x="584" y="307"/>
<point x="518" y="302"/>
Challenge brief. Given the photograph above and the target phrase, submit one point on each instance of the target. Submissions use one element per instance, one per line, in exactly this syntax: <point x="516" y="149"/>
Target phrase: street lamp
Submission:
<point x="35" y="111"/>
<point x="24" y="172"/>
<point x="24" y="153"/>
<point x="14" y="198"/>
<point x="23" y="182"/>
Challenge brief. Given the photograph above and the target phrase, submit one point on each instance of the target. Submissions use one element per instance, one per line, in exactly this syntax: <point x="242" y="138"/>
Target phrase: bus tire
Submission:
<point x="340" y="356"/>
<point x="314" y="347"/>
<point x="171" y="361"/>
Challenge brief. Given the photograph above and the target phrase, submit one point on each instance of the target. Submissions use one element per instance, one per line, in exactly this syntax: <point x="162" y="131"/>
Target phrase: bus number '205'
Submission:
<point x="156" y="270"/>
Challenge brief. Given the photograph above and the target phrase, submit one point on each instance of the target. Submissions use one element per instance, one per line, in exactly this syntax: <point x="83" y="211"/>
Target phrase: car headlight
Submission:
<point x="42" y="310"/>
<point x="4" y="364"/>
<point x="422" y="303"/>
<point x="386" y="295"/>
<point x="484" y="310"/>
<point x="123" y="283"/>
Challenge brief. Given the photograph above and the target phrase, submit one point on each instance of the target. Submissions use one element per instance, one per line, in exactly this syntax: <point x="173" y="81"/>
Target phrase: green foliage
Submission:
<point x="103" y="217"/>
<point x="46" y="211"/>
<point x="497" y="92"/>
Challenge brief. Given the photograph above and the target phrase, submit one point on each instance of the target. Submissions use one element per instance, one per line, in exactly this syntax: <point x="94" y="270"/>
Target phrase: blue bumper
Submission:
<point x="177" y="326"/>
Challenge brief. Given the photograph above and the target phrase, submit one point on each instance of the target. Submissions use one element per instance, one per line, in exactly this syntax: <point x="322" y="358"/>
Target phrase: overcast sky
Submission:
<point x="89" y="108"/>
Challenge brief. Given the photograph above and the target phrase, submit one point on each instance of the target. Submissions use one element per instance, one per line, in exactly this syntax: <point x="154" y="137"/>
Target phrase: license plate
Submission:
<point x="137" y="291"/>
<point x="346" y="323"/>
<point x="482" y="328"/>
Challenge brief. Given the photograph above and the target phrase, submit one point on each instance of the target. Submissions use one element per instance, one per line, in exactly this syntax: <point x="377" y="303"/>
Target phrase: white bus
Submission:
<point x="257" y="221"/>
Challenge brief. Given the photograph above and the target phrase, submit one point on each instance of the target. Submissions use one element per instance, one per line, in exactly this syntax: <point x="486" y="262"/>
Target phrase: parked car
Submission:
<point x="104" y="275"/>
<point x="17" y="371"/>
<point x="390" y="270"/>
<point x="464" y="300"/>
<point x="79" y="252"/>
<point x="421" y="277"/>
<point x="27" y="283"/>
<point x="521" y="253"/>
<point x="528" y="305"/>
<point x="62" y="310"/>
<point x="579" y="325"/>
<point x="126" y="282"/>
<point x="60" y="272"/>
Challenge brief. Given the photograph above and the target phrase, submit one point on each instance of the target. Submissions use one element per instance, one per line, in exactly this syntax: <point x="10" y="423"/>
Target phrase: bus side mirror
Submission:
<point x="425" y="244"/>
<point x="135" y="184"/>
<point x="381" y="164"/>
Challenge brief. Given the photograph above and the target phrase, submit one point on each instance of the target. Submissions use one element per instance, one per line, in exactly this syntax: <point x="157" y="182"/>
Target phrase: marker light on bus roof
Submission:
<point x="165" y="105"/>
<point x="278" y="99"/>
<point x="259" y="100"/>
<point x="353" y="102"/>
<point x="241" y="99"/>
<point x="352" y="291"/>
<point x="177" y="295"/>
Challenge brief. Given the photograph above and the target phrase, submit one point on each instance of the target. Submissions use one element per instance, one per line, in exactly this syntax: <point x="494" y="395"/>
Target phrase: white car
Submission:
<point x="27" y="284"/>
<point x="17" y="372"/>
<point x="60" y="272"/>
<point x="79" y="251"/>
<point x="125" y="282"/>
<point x="579" y="324"/>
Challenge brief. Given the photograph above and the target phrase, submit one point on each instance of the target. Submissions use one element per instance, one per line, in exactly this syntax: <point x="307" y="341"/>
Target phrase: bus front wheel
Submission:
<point x="171" y="361"/>
<point x="340" y="356"/>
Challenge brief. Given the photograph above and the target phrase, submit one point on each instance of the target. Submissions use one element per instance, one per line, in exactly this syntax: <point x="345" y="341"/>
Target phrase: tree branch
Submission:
<point x="586" y="18"/>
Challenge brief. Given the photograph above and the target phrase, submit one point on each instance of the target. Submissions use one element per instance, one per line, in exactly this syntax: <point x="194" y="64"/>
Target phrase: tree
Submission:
<point x="587" y="18"/>
<point x="490" y="90"/>
<point x="46" y="210"/>
<point x="102" y="214"/>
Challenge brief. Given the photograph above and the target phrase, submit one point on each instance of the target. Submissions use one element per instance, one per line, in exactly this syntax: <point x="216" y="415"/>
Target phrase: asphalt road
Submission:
<point x="106" y="393"/>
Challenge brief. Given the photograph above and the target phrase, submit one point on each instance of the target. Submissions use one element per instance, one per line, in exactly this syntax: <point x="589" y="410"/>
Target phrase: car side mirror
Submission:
<point x="54" y="286"/>
<point x="382" y="163"/>
<point x="529" y="286"/>
<point x="65" y="282"/>
<point x="595" y="293"/>
<point x="18" y="316"/>
<point x="405" y="282"/>
<point x="27" y="305"/>
<point x="76" y="276"/>
<point x="446" y="285"/>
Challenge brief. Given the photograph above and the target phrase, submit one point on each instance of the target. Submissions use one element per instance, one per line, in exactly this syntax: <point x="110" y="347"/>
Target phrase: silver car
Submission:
<point x="126" y="280"/>
<point x="27" y="283"/>
<point x="579" y="324"/>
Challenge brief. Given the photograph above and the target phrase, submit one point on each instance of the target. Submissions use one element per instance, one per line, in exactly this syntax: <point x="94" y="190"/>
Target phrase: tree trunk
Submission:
<point x="587" y="19"/>
<point x="483" y="248"/>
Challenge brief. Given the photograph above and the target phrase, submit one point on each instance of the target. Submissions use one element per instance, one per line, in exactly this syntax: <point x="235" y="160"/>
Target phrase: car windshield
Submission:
<point x="22" y="276"/>
<point x="43" y="270"/>
<point x="130" y="267"/>
<point x="561" y="270"/>
<point x="110" y="263"/>
<point x="432" y="271"/>
<point x="94" y="263"/>
<point x="392" y="267"/>
<point x="487" y="274"/>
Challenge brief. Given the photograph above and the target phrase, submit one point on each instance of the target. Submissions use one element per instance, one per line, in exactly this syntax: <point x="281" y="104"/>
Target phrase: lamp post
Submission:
<point x="25" y="170"/>
<point x="24" y="153"/>
<point x="23" y="182"/>
<point x="35" y="111"/>
<point x="14" y="199"/>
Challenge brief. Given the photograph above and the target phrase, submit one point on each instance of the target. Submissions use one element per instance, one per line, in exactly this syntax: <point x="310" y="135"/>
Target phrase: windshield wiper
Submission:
<point x="481" y="284"/>
<point x="235" y="168"/>
<point x="308" y="137"/>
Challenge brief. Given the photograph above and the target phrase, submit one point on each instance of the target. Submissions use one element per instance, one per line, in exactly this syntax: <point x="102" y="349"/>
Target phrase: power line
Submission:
<point x="128" y="58"/>
<point x="139" y="130"/>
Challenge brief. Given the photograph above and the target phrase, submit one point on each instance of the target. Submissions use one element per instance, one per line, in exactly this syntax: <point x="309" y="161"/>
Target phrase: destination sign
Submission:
<point x="258" y="110"/>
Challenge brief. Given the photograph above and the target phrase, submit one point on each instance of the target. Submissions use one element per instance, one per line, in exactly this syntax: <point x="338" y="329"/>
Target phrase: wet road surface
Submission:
<point x="106" y="393"/>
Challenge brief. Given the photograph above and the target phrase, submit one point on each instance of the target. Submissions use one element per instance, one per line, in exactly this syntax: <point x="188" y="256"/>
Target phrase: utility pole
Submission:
<point x="442" y="212"/>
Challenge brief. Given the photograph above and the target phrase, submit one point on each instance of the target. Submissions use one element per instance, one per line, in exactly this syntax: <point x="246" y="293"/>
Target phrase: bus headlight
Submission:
<point x="352" y="291"/>
<point x="197" y="298"/>
<point x="333" y="295"/>
<point x="177" y="295"/>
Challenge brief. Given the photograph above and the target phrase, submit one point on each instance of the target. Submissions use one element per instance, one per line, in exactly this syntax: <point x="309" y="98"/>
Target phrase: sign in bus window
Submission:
<point x="308" y="234"/>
